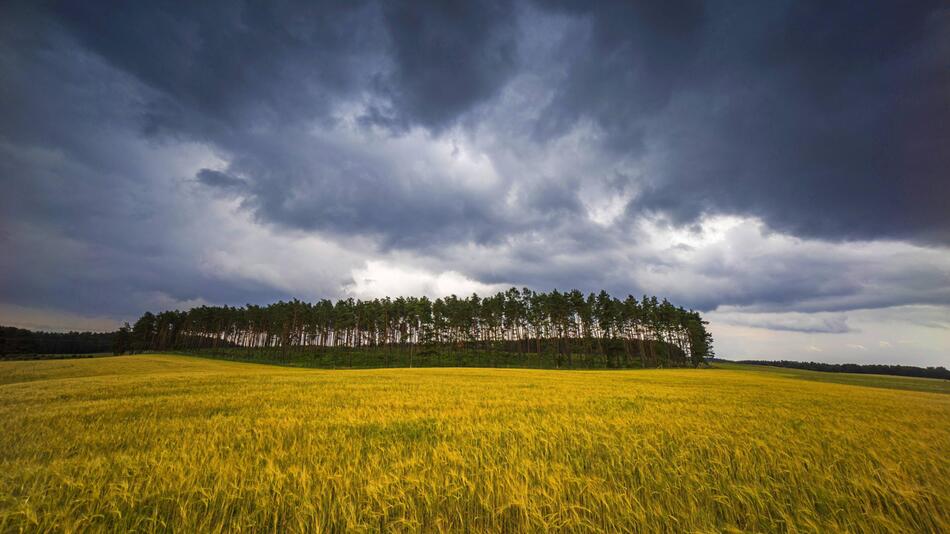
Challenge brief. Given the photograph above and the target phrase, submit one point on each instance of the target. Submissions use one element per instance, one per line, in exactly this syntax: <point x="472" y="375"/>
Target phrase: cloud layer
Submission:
<point x="783" y="163"/>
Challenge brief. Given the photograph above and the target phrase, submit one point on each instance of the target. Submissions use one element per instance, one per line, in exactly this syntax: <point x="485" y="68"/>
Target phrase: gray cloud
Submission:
<point x="447" y="57"/>
<point x="790" y="322"/>
<point x="213" y="178"/>
<point x="823" y="122"/>
<point x="223" y="65"/>
<point x="826" y="122"/>
<point x="623" y="66"/>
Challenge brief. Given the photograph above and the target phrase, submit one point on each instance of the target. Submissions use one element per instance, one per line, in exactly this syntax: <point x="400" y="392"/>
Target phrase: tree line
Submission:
<point x="19" y="341"/>
<point x="876" y="369"/>
<point x="513" y="327"/>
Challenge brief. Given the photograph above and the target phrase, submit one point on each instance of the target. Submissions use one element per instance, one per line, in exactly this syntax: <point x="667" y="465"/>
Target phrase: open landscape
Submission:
<point x="161" y="442"/>
<point x="475" y="266"/>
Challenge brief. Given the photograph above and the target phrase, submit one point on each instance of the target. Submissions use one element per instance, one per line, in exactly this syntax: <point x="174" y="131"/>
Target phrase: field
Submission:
<point x="154" y="442"/>
<point x="854" y="379"/>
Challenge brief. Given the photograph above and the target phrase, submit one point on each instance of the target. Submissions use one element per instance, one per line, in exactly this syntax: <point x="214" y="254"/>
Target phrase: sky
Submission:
<point x="783" y="167"/>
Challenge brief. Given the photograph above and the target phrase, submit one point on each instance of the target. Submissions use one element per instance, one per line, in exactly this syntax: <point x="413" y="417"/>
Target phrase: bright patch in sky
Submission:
<point x="380" y="279"/>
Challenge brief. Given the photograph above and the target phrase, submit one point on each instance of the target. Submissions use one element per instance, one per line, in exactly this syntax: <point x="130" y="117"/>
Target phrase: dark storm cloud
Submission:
<point x="448" y="57"/>
<point x="825" y="121"/>
<point x="246" y="62"/>
<point x="89" y="220"/>
<point x="213" y="178"/>
<point x="624" y="67"/>
<point x="225" y="65"/>
<point x="249" y="78"/>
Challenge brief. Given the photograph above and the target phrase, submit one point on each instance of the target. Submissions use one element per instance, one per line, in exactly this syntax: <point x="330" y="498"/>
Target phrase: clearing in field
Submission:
<point x="170" y="442"/>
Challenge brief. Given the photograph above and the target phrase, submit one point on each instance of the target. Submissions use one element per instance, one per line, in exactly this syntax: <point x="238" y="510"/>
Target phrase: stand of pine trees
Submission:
<point x="512" y="328"/>
<point x="22" y="342"/>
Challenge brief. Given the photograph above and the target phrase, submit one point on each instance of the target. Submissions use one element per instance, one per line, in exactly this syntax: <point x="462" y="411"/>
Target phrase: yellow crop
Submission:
<point x="152" y="442"/>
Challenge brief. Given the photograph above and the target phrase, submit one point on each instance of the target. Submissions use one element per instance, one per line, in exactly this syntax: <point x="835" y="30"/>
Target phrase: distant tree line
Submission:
<point x="19" y="341"/>
<point x="877" y="369"/>
<point x="514" y="327"/>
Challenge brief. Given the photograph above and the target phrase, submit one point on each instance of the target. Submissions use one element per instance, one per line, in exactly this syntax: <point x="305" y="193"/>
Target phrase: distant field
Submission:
<point x="877" y="381"/>
<point x="155" y="442"/>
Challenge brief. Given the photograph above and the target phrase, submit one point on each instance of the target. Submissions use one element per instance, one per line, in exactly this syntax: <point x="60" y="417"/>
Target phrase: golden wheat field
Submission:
<point x="154" y="442"/>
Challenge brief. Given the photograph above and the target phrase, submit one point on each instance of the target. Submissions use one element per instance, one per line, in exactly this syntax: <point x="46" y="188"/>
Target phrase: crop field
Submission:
<point x="156" y="442"/>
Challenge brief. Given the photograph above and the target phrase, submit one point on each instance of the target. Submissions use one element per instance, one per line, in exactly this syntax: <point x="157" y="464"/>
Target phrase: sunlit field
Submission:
<point x="153" y="442"/>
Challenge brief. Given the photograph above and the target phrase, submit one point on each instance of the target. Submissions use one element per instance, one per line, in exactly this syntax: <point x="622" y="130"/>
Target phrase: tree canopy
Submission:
<point x="558" y="329"/>
<point x="19" y="341"/>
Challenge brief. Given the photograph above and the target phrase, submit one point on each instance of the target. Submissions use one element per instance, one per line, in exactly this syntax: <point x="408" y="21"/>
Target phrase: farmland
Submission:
<point x="157" y="442"/>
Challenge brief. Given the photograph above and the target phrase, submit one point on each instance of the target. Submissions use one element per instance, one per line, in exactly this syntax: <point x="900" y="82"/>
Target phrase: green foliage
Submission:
<point x="122" y="341"/>
<point x="856" y="368"/>
<point x="436" y="356"/>
<point x="16" y="342"/>
<point x="522" y="328"/>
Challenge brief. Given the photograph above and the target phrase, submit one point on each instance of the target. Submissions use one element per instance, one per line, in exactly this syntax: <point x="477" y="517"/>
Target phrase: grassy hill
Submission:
<point x="156" y="442"/>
